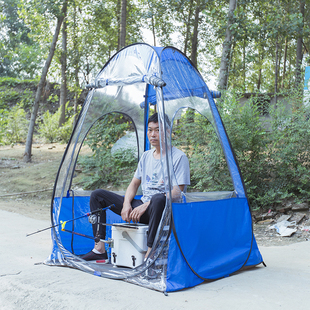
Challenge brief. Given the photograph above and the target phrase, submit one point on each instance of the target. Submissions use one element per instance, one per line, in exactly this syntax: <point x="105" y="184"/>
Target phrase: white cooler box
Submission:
<point x="129" y="244"/>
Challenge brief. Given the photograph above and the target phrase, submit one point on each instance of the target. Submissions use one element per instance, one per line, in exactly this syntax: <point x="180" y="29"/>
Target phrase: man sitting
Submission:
<point x="149" y="209"/>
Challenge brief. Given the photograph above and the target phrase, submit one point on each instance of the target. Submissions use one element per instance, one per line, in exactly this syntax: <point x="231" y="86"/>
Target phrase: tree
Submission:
<point x="60" y="17"/>
<point x="299" y="54"/>
<point x="122" y="36"/>
<point x="200" y="6"/>
<point x="223" y="76"/>
<point x="63" y="60"/>
<point x="157" y="16"/>
<point x="188" y="26"/>
<point x="18" y="52"/>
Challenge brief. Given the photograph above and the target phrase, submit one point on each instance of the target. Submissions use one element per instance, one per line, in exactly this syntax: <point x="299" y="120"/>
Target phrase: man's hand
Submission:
<point x="129" y="196"/>
<point x="136" y="213"/>
<point x="126" y="212"/>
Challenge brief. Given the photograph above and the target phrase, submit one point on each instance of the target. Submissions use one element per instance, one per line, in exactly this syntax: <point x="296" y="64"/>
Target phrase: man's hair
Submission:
<point x="154" y="119"/>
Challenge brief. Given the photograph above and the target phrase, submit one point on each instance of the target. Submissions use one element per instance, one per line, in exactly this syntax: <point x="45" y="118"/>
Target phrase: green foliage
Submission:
<point x="272" y="152"/>
<point x="8" y="97"/>
<point x="18" y="52"/>
<point x="53" y="98"/>
<point x="49" y="128"/>
<point x="11" y="94"/>
<point x="26" y="99"/>
<point x="104" y="165"/>
<point x="249" y="140"/>
<point x="3" y="122"/>
<point x="272" y="149"/>
<point x="13" y="125"/>
<point x="288" y="156"/>
<point x="13" y="82"/>
<point x="195" y="135"/>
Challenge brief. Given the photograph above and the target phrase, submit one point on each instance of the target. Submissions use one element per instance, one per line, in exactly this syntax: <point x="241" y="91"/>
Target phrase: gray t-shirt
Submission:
<point x="150" y="173"/>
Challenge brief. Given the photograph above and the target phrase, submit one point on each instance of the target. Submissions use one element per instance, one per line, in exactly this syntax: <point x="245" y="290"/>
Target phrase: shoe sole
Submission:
<point x="100" y="261"/>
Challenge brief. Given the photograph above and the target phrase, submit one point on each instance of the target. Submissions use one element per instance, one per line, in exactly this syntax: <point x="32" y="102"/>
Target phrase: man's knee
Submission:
<point x="98" y="193"/>
<point x="97" y="196"/>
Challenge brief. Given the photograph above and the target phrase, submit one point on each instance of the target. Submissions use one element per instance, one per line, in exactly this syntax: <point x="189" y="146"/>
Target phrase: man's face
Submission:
<point x="153" y="134"/>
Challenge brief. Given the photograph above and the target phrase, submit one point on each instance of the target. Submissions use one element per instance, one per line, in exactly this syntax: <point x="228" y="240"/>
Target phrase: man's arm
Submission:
<point x="129" y="196"/>
<point x="176" y="192"/>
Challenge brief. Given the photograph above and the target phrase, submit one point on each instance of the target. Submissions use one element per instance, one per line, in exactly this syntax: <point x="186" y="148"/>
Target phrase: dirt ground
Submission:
<point x="36" y="179"/>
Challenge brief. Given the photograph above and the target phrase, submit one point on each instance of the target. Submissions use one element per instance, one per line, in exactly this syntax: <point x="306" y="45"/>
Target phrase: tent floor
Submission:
<point x="109" y="266"/>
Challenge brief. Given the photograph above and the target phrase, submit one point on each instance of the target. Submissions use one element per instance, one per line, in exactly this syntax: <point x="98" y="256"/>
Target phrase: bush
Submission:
<point x="274" y="158"/>
<point x="49" y="128"/>
<point x="195" y="135"/>
<point x="13" y="125"/>
<point x="105" y="166"/>
<point x="274" y="163"/>
<point x="13" y="82"/>
<point x="3" y="123"/>
<point x="8" y="97"/>
<point x="249" y="140"/>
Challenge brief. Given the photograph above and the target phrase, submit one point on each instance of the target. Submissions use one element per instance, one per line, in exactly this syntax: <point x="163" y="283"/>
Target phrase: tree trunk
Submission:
<point x="76" y="65"/>
<point x="280" y="45"/>
<point x="290" y="70"/>
<point x="195" y="36"/>
<point x="276" y="73"/>
<point x="299" y="47"/>
<point x="229" y="64"/>
<point x="63" y="61"/>
<point x="226" y="47"/>
<point x="153" y="25"/>
<point x="118" y="18"/>
<point x="259" y="82"/>
<point x="27" y="154"/>
<point x="243" y="65"/>
<point x="122" y="35"/>
<point x="284" y="64"/>
<point x="188" y="26"/>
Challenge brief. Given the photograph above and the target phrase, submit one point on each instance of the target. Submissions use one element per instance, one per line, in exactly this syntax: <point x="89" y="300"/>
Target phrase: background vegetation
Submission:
<point x="273" y="153"/>
<point x="49" y="51"/>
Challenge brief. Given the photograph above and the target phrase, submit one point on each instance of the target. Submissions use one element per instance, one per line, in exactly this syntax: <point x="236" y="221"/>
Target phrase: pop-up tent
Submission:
<point x="205" y="236"/>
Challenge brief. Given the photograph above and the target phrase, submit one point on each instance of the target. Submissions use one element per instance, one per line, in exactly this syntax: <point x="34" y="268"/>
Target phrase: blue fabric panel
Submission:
<point x="177" y="82"/>
<point x="158" y="49"/>
<point x="215" y="236"/>
<point x="255" y="256"/>
<point x="179" y="275"/>
<point x="78" y="244"/>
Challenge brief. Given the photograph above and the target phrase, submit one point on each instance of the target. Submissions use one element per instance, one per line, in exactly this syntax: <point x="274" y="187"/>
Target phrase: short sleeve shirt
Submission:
<point x="149" y="171"/>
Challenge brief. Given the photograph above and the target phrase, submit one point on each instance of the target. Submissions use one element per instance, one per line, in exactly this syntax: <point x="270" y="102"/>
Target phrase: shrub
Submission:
<point x="274" y="160"/>
<point x="249" y="139"/>
<point x="274" y="163"/>
<point x="49" y="128"/>
<point x="13" y="125"/>
<point x="105" y="166"/>
<point x="8" y="97"/>
<point x="196" y="136"/>
<point x="13" y="82"/>
<point x="3" y="123"/>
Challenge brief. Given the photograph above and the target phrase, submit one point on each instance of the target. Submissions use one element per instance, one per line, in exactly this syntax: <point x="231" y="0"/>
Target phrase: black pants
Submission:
<point x="101" y="198"/>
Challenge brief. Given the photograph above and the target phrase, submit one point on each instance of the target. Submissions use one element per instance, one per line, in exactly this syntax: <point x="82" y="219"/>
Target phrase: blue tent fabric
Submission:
<point x="177" y="84"/>
<point x="214" y="237"/>
<point x="210" y="239"/>
<point x="179" y="274"/>
<point x="255" y="255"/>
